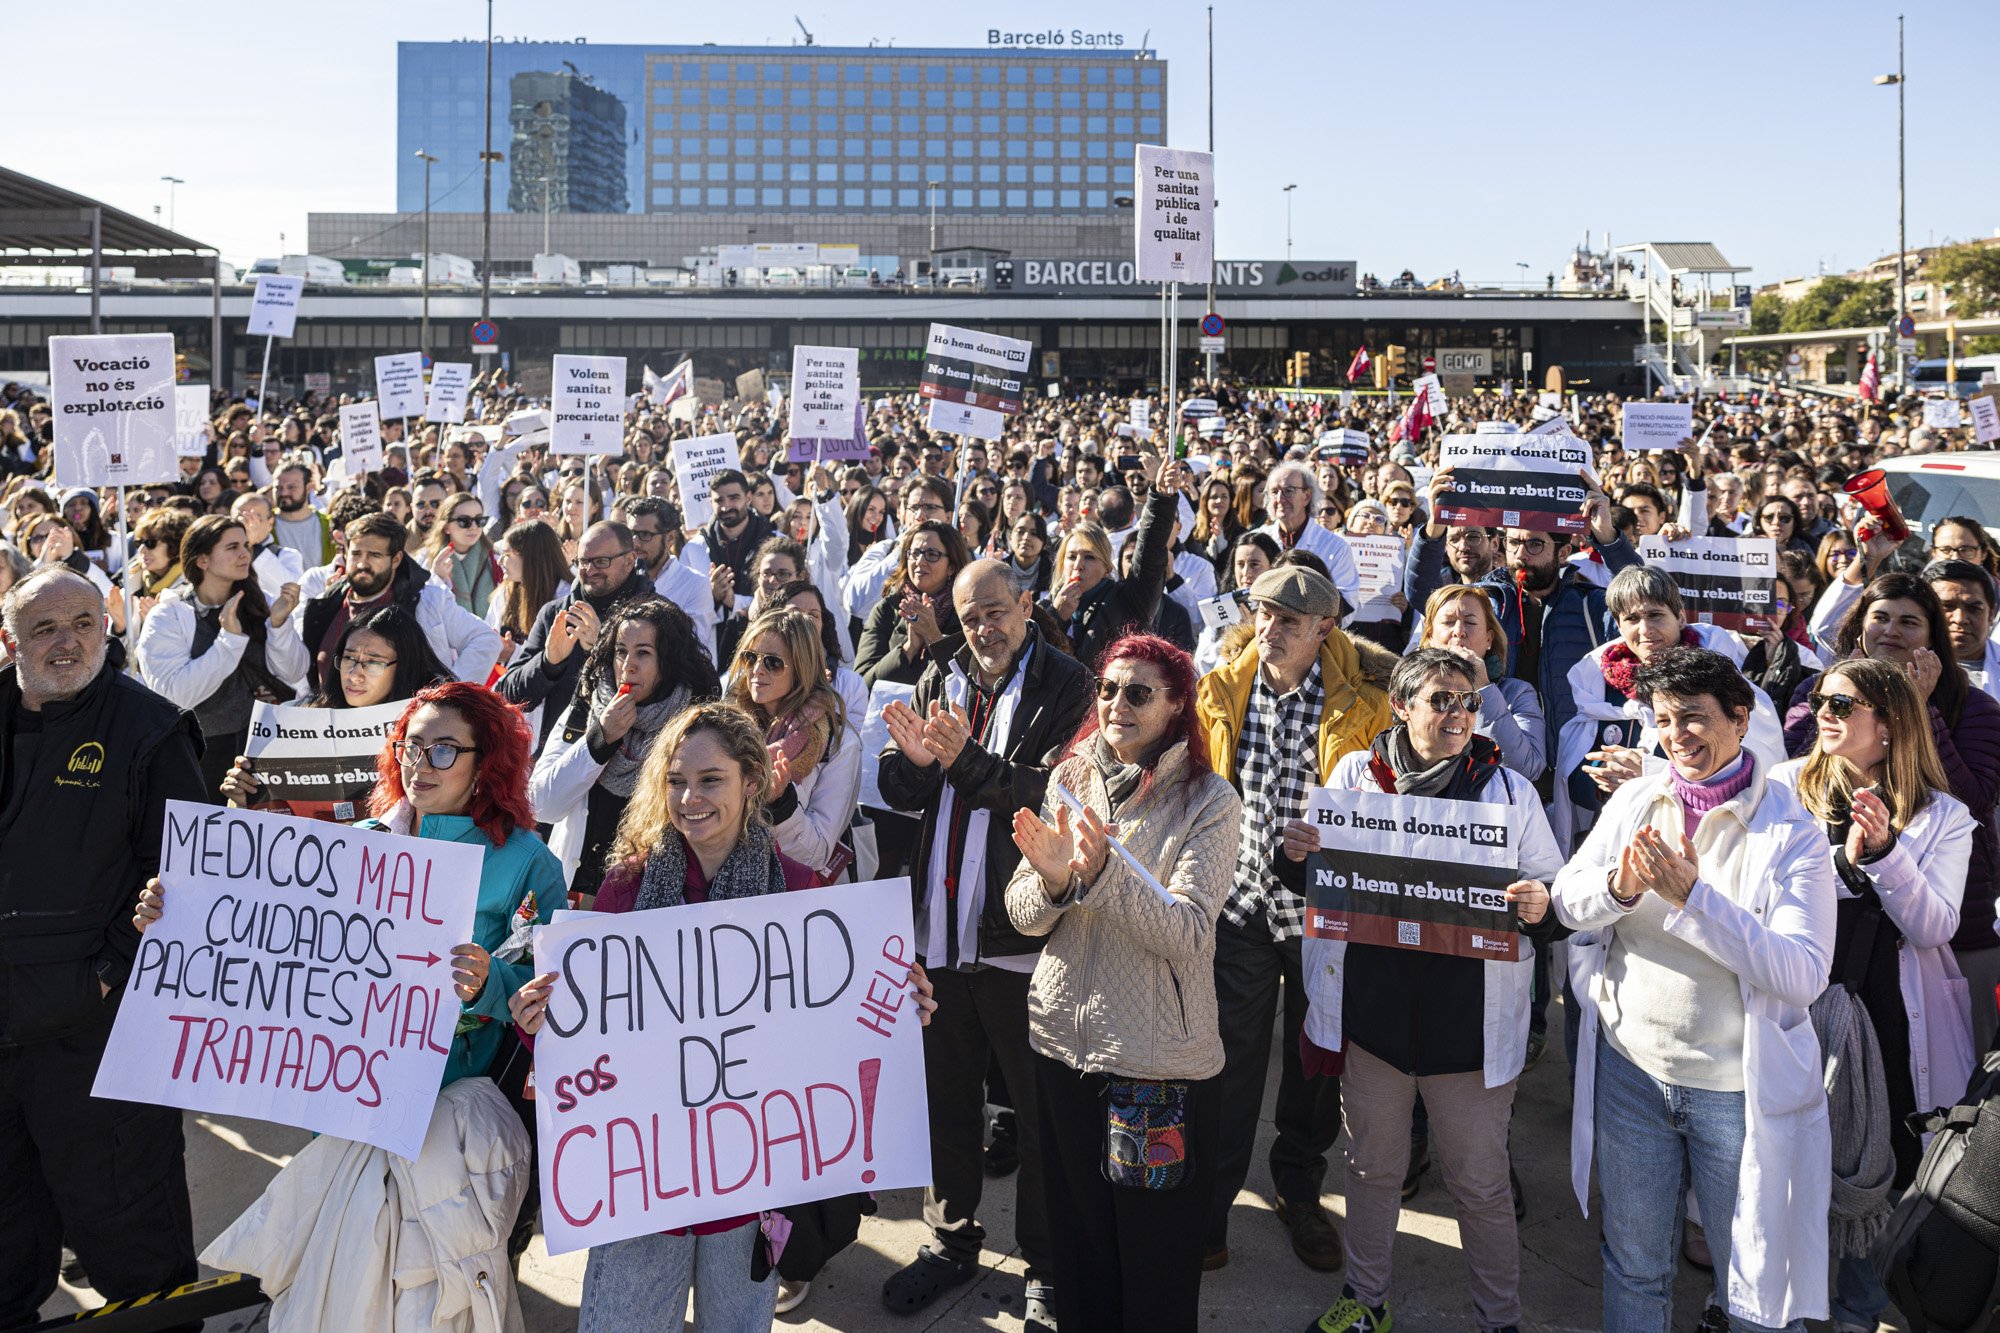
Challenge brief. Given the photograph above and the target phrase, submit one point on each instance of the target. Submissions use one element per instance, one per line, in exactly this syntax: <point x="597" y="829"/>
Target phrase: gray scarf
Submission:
<point x="749" y="871"/>
<point x="1414" y="777"/>
<point x="1120" y="779"/>
<point x="621" y="771"/>
<point x="1857" y="1109"/>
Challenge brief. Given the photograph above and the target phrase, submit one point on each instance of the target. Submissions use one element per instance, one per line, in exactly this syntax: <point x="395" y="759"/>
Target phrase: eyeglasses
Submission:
<point x="1292" y="490"/>
<point x="468" y="520"/>
<point x="597" y="564"/>
<point x="1837" y="706"/>
<point x="1840" y="557"/>
<point x="771" y="662"/>
<point x="1954" y="552"/>
<point x="1529" y="545"/>
<point x="1329" y="511"/>
<point x="1444" y="701"/>
<point x="440" y="755"/>
<point x="925" y="555"/>
<point x="373" y="666"/>
<point x="1135" y="694"/>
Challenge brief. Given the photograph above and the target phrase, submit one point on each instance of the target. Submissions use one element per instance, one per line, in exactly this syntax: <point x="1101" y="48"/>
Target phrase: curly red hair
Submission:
<point x="499" y="802"/>
<point x="1178" y="668"/>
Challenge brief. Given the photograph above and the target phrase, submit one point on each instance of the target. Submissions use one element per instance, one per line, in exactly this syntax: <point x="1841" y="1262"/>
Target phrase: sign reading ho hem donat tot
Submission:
<point x="1727" y="581"/>
<point x="1412" y="872"/>
<point x="300" y="974"/>
<point x="977" y="369"/>
<point x="719" y="1059"/>
<point x="1514" y="481"/>
<point x="319" y="762"/>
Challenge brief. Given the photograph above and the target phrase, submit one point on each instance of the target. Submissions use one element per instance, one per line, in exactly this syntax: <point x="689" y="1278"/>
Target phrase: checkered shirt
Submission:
<point x="1277" y="763"/>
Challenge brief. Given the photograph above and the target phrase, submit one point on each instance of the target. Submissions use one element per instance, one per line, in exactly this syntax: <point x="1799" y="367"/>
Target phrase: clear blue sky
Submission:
<point x="1450" y="135"/>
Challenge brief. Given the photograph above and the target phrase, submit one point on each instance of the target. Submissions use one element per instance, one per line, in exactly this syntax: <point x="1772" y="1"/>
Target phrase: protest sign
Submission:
<point x="1219" y="613"/>
<point x="1514" y="481"/>
<point x="451" y="385"/>
<point x="719" y="1059"/>
<point x="1435" y="401"/>
<point x="1497" y="428"/>
<point x="1412" y="872"/>
<point x="826" y="391"/>
<point x="1379" y="559"/>
<point x="695" y="461"/>
<point x="1345" y="446"/>
<point x="191" y="420"/>
<point x="1174" y="227"/>
<point x="750" y="386"/>
<point x="849" y="445"/>
<point x="1941" y="413"/>
<point x="875" y="738"/>
<point x="361" y="437"/>
<point x="587" y="405"/>
<point x="1985" y="419"/>
<point x="709" y="392"/>
<point x="1726" y="581"/>
<point x="974" y="369"/>
<point x="964" y="419"/>
<point x="113" y="398"/>
<point x="274" y="306"/>
<point x="399" y="384"/>
<point x="1142" y="416"/>
<point x="1656" y="425"/>
<point x="319" y="763"/>
<point x="300" y="974"/>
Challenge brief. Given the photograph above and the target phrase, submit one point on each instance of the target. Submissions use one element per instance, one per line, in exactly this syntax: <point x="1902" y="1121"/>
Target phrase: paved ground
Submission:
<point x="1263" y="1288"/>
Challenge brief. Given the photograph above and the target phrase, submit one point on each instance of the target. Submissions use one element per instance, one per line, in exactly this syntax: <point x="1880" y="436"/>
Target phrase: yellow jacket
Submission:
<point x="1355" y="712"/>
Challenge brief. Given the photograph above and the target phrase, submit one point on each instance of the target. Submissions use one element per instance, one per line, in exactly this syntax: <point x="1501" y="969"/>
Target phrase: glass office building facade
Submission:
<point x="789" y="130"/>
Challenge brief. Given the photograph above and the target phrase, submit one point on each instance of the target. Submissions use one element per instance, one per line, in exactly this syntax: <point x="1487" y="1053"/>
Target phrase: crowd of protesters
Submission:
<point x="988" y="665"/>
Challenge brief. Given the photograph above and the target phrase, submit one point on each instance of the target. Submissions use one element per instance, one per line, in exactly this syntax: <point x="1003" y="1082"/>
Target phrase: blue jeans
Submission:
<point x="632" y="1286"/>
<point x="1858" y="1294"/>
<point x="1653" y="1140"/>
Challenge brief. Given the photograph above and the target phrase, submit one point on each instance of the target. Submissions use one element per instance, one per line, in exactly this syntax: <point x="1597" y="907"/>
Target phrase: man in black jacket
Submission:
<point x="89" y="757"/>
<point x="608" y="576"/>
<point x="993" y="709"/>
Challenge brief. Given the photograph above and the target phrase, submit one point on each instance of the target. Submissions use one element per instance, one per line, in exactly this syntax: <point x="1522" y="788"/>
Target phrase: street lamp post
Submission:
<point x="935" y="186"/>
<point x="171" y="181"/>
<point x="1902" y="245"/>
<point x="545" y="215"/>
<point x="424" y="339"/>
<point x="1288" y="220"/>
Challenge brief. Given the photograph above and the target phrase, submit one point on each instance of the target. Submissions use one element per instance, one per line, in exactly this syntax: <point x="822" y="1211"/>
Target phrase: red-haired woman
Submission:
<point x="1137" y="959"/>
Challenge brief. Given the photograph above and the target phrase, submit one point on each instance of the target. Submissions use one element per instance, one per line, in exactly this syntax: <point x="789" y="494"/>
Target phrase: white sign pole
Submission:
<point x="125" y="571"/>
<point x="264" y="379"/>
<point x="1173" y="294"/>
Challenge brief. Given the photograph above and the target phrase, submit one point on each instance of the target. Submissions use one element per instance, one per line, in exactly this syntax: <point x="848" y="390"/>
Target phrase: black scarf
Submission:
<point x="750" y="870"/>
<point x="1394" y="764"/>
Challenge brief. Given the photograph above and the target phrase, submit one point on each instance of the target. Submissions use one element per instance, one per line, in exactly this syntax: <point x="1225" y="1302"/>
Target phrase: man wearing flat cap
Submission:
<point x="1278" y="716"/>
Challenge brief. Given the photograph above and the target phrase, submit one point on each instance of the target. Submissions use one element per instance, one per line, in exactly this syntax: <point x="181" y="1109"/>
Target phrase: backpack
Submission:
<point x="1940" y="1254"/>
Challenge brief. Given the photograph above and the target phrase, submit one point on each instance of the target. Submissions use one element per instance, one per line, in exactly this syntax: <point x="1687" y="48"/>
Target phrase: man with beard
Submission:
<point x="89" y="757"/>
<point x="379" y="573"/>
<point x="299" y="526"/>
<point x="608" y="576"/>
<point x="732" y="537"/>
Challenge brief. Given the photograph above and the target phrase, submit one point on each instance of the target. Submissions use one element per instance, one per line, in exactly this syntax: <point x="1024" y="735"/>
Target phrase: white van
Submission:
<point x="1930" y="487"/>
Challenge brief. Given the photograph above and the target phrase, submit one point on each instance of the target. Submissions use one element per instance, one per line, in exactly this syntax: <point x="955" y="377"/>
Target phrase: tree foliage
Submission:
<point x="1972" y="274"/>
<point x="1838" y="303"/>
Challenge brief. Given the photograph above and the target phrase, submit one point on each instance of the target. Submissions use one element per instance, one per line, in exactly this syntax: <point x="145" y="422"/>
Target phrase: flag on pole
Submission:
<point x="1358" y="367"/>
<point x="1871" y="380"/>
<point x="1412" y="423"/>
<point x="678" y="383"/>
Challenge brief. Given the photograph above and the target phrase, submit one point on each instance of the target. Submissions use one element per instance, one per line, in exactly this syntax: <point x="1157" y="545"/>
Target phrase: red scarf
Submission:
<point x="1621" y="664"/>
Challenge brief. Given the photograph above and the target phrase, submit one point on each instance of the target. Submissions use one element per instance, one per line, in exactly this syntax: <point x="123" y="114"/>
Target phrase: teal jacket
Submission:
<point x="520" y="877"/>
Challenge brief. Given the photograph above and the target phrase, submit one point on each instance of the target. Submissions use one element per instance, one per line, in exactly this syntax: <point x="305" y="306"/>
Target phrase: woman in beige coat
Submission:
<point x="1121" y="1010"/>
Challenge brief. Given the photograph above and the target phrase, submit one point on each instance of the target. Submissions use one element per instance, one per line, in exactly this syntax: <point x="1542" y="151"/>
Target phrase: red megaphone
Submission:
<point x="1870" y="490"/>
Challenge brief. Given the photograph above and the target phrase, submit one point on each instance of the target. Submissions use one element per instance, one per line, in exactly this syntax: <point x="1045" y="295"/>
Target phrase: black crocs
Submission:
<point x="927" y="1277"/>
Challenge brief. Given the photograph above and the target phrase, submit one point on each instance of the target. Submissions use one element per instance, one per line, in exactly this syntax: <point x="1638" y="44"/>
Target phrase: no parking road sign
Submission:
<point x="1212" y="325"/>
<point x="485" y="336"/>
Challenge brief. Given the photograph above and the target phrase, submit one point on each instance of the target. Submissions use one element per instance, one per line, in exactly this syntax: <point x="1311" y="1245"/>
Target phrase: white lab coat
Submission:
<point x="167" y="640"/>
<point x="1333" y="549"/>
<point x="1775" y="931"/>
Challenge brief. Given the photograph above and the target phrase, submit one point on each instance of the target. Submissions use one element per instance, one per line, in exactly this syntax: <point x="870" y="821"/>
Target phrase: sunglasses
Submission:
<point x="1837" y="706"/>
<point x="1135" y="694"/>
<point x="440" y="755"/>
<point x="771" y="662"/>
<point x="468" y="520"/>
<point x="1445" y="701"/>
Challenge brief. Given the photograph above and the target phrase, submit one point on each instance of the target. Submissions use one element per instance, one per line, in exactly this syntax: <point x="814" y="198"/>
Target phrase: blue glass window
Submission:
<point x="1017" y="148"/>
<point x="881" y="171"/>
<point x="881" y="97"/>
<point x="934" y="97"/>
<point x="773" y="72"/>
<point x="1096" y="125"/>
<point x="690" y="120"/>
<point x="1071" y="124"/>
<point x="962" y="175"/>
<point x="879" y="148"/>
<point x="934" y="74"/>
<point x="854" y="124"/>
<point x="746" y="97"/>
<point x="906" y="97"/>
<point x="718" y="171"/>
<point x="1045" y="175"/>
<point x="1121" y="74"/>
<point x="1017" y="198"/>
<point x="962" y="98"/>
<point x="827" y="171"/>
<point x="1017" y="100"/>
<point x="989" y="99"/>
<point x="854" y="97"/>
<point x="854" y="171"/>
<point x="1072" y="199"/>
<point x="961" y="148"/>
<point x="1096" y="101"/>
<point x="879" y="74"/>
<point x="1071" y="101"/>
<point x="1072" y="149"/>
<point x="989" y="198"/>
<point x="774" y="171"/>
<point x="989" y="74"/>
<point x="878" y="198"/>
<point x="718" y="198"/>
<point x="746" y="148"/>
<point x="1095" y="148"/>
<point x="1094" y="199"/>
<point x="826" y="124"/>
<point x="933" y="148"/>
<point x="961" y="199"/>
<point x="854" y="198"/>
<point x="718" y="97"/>
<point x="799" y="198"/>
<point x="1045" y="199"/>
<point x="1121" y="175"/>
<point x="663" y="198"/>
<point x="1071" y="74"/>
<point x="1016" y="74"/>
<point x="935" y="124"/>
<point x="774" y="198"/>
<point x="774" y="148"/>
<point x="1045" y="99"/>
<point x="1045" y="124"/>
<point x="825" y="148"/>
<point x="826" y="97"/>
<point x="906" y="198"/>
<point x="1044" y="74"/>
<point x="772" y="123"/>
<point x="1149" y="101"/>
<point x="989" y="124"/>
<point x="989" y="175"/>
<point x="690" y="171"/>
<point x="690" y="148"/>
<point x="856" y="73"/>
<point x="826" y="198"/>
<point x="746" y="171"/>
<point x="746" y="198"/>
<point x="1043" y="148"/>
<point x="801" y="171"/>
<point x="689" y="97"/>
<point x="1070" y="175"/>
<point x="1121" y="101"/>
<point x="690" y="198"/>
<point x="906" y="73"/>
<point x="1097" y="175"/>
<point x="906" y="148"/>
<point x="989" y="148"/>
<point x="1017" y="175"/>
<point x="1149" y="124"/>
<point x="961" y="124"/>
<point x="909" y="171"/>
<point x="1098" y="74"/>
<point x="1150" y="74"/>
<point x="908" y="124"/>
<point x="663" y="171"/>
<point x="801" y="97"/>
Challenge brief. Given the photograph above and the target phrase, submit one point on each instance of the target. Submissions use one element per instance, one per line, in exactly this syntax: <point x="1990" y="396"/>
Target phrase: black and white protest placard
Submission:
<point x="191" y="427"/>
<point x="965" y="419"/>
<point x="720" y="1059"/>
<point x="1412" y="872"/>
<point x="587" y="402"/>
<point x="113" y="400"/>
<point x="1941" y="413"/>
<point x="974" y="369"/>
<point x="1220" y="612"/>
<point x="695" y="462"/>
<point x="1174" y="225"/>
<point x="399" y="384"/>
<point x="848" y="444"/>
<point x="1378" y="559"/>
<point x="274" y="306"/>
<point x="1142" y="416"/>
<point x="451" y="387"/>
<point x="319" y="763"/>
<point x="1656" y="425"/>
<point x="1345" y="446"/>
<point x="826" y="391"/>
<point x="361" y="437"/>
<point x="1727" y="581"/>
<point x="300" y="973"/>
<point x="1514" y="481"/>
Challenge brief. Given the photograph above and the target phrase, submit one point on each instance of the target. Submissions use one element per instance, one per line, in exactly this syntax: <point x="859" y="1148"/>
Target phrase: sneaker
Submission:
<point x="72" y="1269"/>
<point x="791" y="1295"/>
<point x="1420" y="1162"/>
<point x="1349" y="1315"/>
<point x="1314" y="1238"/>
<point x="1003" y="1152"/>
<point x="1537" y="1043"/>
<point x="1714" y="1319"/>
<point x="1038" y="1313"/>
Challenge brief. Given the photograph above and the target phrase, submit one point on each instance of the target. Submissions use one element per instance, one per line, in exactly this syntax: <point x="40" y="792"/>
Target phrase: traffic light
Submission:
<point x="1380" y="369"/>
<point x="1298" y="367"/>
<point x="1394" y="355"/>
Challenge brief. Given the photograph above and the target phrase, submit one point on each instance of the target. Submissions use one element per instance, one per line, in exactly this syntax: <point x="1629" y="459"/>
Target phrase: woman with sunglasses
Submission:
<point x="1095" y="606"/>
<point x="779" y="679"/>
<point x="915" y="612"/>
<point x="644" y="670"/>
<point x="1778" y="518"/>
<point x="1901" y="847"/>
<point x="460" y="555"/>
<point x="1142" y="967"/>
<point x="1460" y="618"/>
<point x="157" y="537"/>
<point x="1453" y="1030"/>
<point x="1782" y="654"/>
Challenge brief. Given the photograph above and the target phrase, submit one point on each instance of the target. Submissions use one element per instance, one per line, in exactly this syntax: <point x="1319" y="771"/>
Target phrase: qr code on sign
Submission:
<point x="1409" y="932"/>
